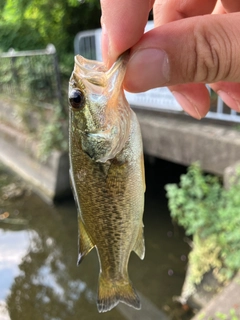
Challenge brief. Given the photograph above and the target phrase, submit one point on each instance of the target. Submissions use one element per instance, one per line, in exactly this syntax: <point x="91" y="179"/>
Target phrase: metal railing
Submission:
<point x="87" y="44"/>
<point x="31" y="76"/>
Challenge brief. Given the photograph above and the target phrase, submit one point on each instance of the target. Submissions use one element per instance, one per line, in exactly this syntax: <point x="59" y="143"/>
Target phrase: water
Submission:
<point x="39" y="278"/>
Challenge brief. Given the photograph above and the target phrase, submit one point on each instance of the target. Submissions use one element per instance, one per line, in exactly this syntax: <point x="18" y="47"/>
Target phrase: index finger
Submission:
<point x="171" y="10"/>
<point x="123" y="25"/>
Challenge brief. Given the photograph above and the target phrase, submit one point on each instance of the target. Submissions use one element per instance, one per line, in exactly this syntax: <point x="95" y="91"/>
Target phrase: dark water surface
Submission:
<point x="39" y="279"/>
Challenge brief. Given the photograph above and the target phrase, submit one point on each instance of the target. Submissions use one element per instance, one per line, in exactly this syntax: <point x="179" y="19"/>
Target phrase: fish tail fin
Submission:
<point x="111" y="292"/>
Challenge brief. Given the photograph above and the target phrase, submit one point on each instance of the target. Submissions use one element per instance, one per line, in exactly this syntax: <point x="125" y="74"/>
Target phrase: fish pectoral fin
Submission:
<point x="139" y="247"/>
<point x="85" y="244"/>
<point x="111" y="292"/>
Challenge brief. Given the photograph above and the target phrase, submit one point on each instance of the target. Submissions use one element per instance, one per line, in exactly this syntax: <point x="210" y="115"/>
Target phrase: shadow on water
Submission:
<point x="39" y="278"/>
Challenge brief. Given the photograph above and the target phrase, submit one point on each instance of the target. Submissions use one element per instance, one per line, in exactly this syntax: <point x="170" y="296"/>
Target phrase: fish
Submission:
<point x="107" y="175"/>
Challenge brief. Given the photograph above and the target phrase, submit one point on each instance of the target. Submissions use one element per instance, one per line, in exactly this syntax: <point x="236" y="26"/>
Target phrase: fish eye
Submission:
<point x="76" y="99"/>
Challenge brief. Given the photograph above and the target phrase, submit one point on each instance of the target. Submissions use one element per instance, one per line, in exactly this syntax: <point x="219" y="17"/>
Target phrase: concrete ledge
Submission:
<point x="224" y="302"/>
<point x="184" y="140"/>
<point x="50" y="179"/>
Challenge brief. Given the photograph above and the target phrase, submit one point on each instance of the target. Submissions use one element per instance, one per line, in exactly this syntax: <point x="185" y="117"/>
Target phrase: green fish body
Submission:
<point x="107" y="174"/>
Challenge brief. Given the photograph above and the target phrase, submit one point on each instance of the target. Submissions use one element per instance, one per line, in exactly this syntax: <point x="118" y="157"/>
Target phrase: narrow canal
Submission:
<point x="39" y="278"/>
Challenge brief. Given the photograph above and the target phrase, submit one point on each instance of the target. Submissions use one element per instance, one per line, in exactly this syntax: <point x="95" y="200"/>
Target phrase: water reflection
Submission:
<point x="13" y="248"/>
<point x="39" y="278"/>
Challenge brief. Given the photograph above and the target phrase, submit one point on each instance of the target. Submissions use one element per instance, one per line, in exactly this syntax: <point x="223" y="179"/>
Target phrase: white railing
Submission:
<point x="88" y="44"/>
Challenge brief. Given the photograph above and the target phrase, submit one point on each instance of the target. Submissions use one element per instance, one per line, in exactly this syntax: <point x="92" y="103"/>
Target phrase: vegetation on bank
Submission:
<point x="220" y="316"/>
<point x="27" y="85"/>
<point x="30" y="102"/>
<point x="33" y="24"/>
<point x="211" y="215"/>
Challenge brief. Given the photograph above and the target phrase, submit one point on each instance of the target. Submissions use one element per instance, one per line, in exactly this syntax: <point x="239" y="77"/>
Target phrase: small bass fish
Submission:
<point x="107" y="174"/>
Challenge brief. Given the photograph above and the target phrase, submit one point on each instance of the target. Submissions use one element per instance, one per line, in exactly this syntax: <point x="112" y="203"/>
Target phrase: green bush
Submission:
<point x="211" y="214"/>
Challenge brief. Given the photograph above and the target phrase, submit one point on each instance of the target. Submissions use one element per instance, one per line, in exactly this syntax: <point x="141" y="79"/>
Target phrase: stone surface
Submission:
<point x="198" y="296"/>
<point x="230" y="174"/>
<point x="50" y="179"/>
<point x="184" y="140"/>
<point x="224" y="303"/>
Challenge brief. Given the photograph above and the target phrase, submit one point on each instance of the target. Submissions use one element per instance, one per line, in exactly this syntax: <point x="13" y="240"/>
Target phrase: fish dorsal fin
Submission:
<point x="85" y="244"/>
<point x="139" y="247"/>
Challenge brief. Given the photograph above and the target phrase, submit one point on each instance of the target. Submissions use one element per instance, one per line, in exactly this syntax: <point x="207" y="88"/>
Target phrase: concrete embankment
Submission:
<point x="183" y="140"/>
<point x="226" y="305"/>
<point x="50" y="178"/>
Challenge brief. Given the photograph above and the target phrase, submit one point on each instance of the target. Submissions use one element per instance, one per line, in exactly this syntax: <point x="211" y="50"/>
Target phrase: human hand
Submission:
<point x="194" y="42"/>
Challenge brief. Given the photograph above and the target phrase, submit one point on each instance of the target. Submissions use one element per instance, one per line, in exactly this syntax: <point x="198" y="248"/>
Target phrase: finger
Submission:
<point x="171" y="10"/>
<point x="231" y="5"/>
<point x="229" y="92"/>
<point x="193" y="98"/>
<point x="200" y="49"/>
<point x="123" y="24"/>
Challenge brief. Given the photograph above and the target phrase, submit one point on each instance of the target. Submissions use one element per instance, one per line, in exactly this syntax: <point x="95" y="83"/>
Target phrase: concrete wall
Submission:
<point x="50" y="178"/>
<point x="185" y="140"/>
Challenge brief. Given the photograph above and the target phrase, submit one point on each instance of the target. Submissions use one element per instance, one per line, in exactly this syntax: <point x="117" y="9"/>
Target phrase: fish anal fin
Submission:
<point x="85" y="244"/>
<point x="139" y="247"/>
<point x="111" y="292"/>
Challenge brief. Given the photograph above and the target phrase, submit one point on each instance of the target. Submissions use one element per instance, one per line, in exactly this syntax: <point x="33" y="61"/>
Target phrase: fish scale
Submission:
<point x="107" y="174"/>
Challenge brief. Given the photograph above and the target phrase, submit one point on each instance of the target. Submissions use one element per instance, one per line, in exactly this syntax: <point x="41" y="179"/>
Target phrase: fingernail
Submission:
<point x="150" y="67"/>
<point x="229" y="100"/>
<point x="187" y="105"/>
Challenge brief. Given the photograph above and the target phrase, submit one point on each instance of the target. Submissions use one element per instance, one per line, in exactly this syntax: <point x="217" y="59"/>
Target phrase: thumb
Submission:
<point x="203" y="49"/>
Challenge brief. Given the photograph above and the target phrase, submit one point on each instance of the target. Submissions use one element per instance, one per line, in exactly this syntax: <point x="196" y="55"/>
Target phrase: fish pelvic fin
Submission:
<point x="111" y="292"/>
<point x="139" y="247"/>
<point x="85" y="244"/>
